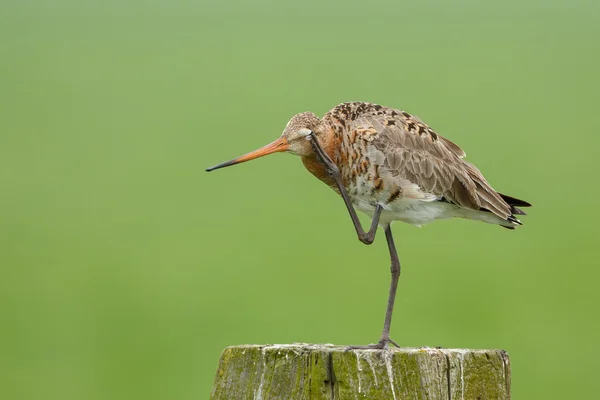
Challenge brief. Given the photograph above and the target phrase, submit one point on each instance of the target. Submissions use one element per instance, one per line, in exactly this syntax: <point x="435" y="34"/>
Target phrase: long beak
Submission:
<point x="277" y="146"/>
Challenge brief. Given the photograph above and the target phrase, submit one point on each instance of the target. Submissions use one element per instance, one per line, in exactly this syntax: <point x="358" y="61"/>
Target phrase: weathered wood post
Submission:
<point x="307" y="371"/>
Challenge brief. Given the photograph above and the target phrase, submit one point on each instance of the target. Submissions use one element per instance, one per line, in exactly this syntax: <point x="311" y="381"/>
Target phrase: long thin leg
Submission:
<point x="334" y="172"/>
<point x="395" y="270"/>
<point x="367" y="238"/>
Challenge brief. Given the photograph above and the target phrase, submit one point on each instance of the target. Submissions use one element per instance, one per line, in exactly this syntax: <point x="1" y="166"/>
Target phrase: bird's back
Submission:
<point x="389" y="157"/>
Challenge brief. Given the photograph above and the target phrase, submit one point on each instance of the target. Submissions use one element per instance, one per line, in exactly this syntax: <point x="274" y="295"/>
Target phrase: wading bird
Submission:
<point x="392" y="166"/>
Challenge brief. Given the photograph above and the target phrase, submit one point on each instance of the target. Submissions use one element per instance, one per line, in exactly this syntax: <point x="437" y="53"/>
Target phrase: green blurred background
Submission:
<point x="126" y="269"/>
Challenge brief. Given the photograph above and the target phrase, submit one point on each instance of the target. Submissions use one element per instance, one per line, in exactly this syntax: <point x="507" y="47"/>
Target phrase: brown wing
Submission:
<point x="411" y="150"/>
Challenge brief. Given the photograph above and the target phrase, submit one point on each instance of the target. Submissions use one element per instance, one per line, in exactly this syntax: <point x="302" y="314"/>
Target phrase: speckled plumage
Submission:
<point x="389" y="157"/>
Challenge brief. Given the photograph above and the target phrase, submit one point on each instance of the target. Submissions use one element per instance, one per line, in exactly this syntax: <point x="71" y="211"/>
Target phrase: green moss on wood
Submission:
<point x="302" y="371"/>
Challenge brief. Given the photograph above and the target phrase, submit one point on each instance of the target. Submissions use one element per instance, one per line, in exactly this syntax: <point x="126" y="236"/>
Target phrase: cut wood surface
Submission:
<point x="308" y="371"/>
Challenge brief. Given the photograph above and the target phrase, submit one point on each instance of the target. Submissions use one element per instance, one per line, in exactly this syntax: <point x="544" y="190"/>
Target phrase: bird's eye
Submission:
<point x="304" y="132"/>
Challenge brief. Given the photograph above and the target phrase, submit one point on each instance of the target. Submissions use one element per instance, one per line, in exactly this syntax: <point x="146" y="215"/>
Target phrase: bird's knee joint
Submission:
<point x="366" y="240"/>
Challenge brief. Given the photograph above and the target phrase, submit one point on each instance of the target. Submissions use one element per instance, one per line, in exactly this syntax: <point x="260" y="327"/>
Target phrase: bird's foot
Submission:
<point x="381" y="345"/>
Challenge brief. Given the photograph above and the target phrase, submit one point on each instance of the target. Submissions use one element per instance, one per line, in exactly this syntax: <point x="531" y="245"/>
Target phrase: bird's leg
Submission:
<point x="334" y="172"/>
<point x="395" y="269"/>
<point x="367" y="238"/>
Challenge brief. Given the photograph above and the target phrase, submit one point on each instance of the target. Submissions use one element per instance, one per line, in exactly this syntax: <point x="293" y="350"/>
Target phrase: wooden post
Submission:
<point x="308" y="371"/>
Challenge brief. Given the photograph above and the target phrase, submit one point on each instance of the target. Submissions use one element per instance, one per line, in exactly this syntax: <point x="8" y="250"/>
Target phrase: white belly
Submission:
<point x="418" y="212"/>
<point x="414" y="212"/>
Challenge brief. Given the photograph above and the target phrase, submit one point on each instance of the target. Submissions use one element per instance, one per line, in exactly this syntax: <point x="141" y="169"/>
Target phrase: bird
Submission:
<point x="392" y="166"/>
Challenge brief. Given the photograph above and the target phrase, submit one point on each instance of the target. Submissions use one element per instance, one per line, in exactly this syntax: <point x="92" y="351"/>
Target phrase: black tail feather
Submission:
<point x="513" y="203"/>
<point x="517" y="211"/>
<point x="514" y="220"/>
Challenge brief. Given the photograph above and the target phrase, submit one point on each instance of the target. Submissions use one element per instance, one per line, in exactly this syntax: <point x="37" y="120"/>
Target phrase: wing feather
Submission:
<point x="414" y="153"/>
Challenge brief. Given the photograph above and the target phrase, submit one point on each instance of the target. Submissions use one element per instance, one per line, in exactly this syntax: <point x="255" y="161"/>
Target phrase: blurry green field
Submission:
<point x="126" y="269"/>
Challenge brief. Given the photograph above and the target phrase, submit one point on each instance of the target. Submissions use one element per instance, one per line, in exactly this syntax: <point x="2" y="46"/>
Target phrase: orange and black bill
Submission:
<point x="277" y="146"/>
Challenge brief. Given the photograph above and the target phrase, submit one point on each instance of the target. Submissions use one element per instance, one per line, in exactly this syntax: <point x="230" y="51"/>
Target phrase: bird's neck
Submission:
<point x="328" y="143"/>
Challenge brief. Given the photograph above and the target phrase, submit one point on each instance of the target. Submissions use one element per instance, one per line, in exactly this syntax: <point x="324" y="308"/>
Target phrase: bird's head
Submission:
<point x="294" y="139"/>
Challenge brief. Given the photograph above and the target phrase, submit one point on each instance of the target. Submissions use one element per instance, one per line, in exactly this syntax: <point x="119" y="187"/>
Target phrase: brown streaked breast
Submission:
<point x="314" y="166"/>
